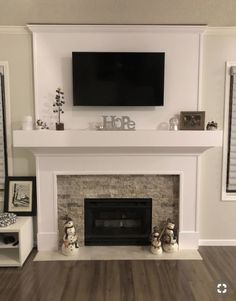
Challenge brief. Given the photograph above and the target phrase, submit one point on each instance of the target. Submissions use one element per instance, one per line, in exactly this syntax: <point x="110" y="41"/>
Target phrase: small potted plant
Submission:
<point x="57" y="108"/>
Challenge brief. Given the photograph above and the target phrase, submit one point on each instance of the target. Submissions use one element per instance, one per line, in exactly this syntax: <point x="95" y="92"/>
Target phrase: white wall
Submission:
<point x="217" y="218"/>
<point x="53" y="47"/>
<point x="212" y="12"/>
<point x="17" y="51"/>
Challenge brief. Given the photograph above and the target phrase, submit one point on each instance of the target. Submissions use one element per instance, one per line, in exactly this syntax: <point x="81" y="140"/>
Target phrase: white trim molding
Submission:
<point x="188" y="240"/>
<point x="14" y="30"/>
<point x="217" y="242"/>
<point x="220" y="31"/>
<point x="48" y="241"/>
<point x="53" y="28"/>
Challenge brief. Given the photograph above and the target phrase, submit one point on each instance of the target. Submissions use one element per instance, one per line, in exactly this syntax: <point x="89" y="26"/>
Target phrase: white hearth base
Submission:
<point x="117" y="253"/>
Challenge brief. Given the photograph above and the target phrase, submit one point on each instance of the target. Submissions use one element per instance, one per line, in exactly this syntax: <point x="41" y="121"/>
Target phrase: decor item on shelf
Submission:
<point x="41" y="125"/>
<point x="156" y="242"/>
<point x="169" y="241"/>
<point x="9" y="239"/>
<point x="57" y="108"/>
<point x="99" y="126"/>
<point x="27" y="123"/>
<point x="70" y="244"/>
<point x="6" y="219"/>
<point x="212" y="126"/>
<point x="192" y="120"/>
<point x="174" y="123"/>
<point x="123" y="123"/>
<point x="20" y="195"/>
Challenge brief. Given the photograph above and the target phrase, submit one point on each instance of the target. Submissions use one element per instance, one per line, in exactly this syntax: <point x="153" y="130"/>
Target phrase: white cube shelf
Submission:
<point x="23" y="231"/>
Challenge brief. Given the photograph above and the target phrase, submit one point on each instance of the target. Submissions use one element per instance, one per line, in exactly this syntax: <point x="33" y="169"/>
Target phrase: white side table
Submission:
<point x="22" y="230"/>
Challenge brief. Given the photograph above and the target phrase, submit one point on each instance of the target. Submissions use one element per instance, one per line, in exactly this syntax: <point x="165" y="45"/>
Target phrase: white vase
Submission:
<point x="27" y="123"/>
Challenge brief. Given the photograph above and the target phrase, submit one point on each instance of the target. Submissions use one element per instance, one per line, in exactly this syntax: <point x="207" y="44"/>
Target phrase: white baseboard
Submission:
<point x="188" y="240"/>
<point x="217" y="242"/>
<point x="47" y="241"/>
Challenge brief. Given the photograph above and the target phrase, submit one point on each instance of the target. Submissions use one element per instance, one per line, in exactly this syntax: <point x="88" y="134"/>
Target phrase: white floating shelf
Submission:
<point x="140" y="141"/>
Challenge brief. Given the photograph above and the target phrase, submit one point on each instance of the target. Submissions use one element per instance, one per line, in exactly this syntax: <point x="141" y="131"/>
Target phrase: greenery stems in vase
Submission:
<point x="58" y="108"/>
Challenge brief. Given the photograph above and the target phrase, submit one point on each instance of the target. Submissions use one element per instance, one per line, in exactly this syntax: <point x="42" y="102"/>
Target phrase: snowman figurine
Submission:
<point x="156" y="242"/>
<point x="169" y="239"/>
<point x="70" y="244"/>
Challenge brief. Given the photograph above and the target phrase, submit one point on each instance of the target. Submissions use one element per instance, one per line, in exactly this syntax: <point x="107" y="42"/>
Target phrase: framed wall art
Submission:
<point x="20" y="195"/>
<point x="192" y="120"/>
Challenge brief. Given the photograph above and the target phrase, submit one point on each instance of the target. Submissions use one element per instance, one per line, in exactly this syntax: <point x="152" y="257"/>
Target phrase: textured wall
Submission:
<point x="164" y="191"/>
<point x="212" y="12"/>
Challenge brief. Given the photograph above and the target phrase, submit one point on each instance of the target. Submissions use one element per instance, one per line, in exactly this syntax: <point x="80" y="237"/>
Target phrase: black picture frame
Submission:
<point x="20" y="196"/>
<point x="192" y="120"/>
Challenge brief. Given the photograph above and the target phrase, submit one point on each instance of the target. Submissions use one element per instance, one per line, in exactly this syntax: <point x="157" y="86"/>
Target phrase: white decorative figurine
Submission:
<point x="174" y="123"/>
<point x="169" y="240"/>
<point x="70" y="244"/>
<point x="156" y="242"/>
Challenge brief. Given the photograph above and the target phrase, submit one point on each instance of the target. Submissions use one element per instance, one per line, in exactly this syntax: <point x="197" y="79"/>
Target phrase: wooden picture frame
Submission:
<point x="20" y="196"/>
<point x="192" y="120"/>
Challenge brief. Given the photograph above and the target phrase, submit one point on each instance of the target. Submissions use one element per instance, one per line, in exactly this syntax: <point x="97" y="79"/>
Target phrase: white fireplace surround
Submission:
<point x="81" y="153"/>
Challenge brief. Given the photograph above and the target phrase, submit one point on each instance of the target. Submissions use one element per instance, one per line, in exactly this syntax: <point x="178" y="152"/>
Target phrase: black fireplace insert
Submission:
<point x="117" y="221"/>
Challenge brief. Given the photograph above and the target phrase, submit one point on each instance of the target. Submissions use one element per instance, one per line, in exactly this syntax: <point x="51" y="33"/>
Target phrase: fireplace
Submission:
<point x="118" y="221"/>
<point x="167" y="154"/>
<point x="74" y="192"/>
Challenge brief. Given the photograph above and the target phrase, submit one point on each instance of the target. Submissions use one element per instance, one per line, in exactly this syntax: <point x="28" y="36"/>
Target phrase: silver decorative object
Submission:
<point x="6" y="219"/>
<point x="123" y="123"/>
<point x="212" y="126"/>
<point x="174" y="124"/>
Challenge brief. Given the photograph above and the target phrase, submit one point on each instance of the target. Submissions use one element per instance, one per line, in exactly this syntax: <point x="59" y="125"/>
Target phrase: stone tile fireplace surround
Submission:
<point x="72" y="190"/>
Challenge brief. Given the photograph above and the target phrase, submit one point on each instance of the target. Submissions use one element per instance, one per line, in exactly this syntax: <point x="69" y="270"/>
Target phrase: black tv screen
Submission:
<point x="118" y="78"/>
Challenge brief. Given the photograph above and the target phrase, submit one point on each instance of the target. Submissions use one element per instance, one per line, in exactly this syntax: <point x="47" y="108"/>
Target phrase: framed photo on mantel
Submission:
<point x="192" y="120"/>
<point x="20" y="195"/>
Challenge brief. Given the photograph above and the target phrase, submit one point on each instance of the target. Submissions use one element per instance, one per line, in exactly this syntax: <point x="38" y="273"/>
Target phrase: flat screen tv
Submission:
<point x="118" y="78"/>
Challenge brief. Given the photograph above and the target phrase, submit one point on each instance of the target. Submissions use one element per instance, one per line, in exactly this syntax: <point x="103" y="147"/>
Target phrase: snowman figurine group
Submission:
<point x="156" y="242"/>
<point x="165" y="241"/>
<point x="169" y="241"/>
<point x="70" y="244"/>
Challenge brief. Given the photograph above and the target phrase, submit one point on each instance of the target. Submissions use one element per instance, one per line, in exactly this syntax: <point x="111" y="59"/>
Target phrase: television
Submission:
<point x="118" y="78"/>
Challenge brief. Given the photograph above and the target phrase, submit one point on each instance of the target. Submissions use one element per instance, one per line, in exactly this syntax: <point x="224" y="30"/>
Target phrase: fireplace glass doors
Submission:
<point x="118" y="221"/>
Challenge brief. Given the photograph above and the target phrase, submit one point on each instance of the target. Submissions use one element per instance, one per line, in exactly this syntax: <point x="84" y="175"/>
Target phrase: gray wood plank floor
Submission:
<point x="123" y="280"/>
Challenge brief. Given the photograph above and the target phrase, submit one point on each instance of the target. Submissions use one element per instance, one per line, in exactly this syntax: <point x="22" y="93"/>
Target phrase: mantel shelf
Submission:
<point x="140" y="141"/>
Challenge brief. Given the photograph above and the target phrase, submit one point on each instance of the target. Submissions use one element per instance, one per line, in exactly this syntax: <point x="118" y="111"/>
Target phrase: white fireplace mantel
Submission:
<point x="141" y="141"/>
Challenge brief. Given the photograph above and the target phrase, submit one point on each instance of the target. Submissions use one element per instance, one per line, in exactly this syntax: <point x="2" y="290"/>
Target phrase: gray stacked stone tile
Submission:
<point x="73" y="189"/>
